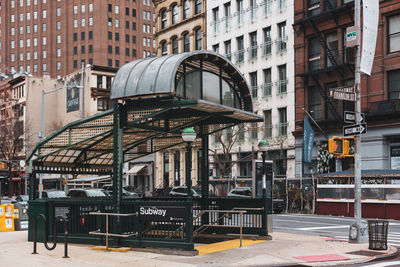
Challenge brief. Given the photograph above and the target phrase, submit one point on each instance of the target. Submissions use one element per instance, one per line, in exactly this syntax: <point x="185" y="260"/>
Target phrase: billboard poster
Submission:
<point x="72" y="98"/>
<point x="370" y="32"/>
<point x="395" y="158"/>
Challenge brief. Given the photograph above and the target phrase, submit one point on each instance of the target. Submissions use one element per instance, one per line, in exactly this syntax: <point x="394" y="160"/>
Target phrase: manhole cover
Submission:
<point x="365" y="253"/>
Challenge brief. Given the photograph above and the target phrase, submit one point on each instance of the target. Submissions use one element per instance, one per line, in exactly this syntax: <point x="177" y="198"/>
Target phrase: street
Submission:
<point x="330" y="226"/>
<point x="334" y="227"/>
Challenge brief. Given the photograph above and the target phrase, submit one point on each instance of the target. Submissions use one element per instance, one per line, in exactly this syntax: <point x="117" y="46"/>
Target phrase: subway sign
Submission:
<point x="162" y="213"/>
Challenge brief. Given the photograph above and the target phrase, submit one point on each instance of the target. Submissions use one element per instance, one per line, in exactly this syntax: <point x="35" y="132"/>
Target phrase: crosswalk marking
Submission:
<point x="321" y="227"/>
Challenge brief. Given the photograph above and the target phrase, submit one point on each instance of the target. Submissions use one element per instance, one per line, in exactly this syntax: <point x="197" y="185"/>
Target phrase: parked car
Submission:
<point x="240" y="192"/>
<point x="181" y="191"/>
<point x="108" y="189"/>
<point x="245" y="192"/>
<point x="22" y="198"/>
<point x="85" y="193"/>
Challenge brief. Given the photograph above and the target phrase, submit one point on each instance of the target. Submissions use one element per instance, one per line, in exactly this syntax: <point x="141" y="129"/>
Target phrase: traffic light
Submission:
<point x="340" y="146"/>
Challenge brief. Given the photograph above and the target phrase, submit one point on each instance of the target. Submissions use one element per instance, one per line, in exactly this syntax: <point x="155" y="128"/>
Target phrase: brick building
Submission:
<point x="57" y="37"/>
<point x="322" y="61"/>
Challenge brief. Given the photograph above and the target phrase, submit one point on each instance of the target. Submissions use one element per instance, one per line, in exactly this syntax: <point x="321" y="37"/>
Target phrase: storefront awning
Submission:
<point x="135" y="169"/>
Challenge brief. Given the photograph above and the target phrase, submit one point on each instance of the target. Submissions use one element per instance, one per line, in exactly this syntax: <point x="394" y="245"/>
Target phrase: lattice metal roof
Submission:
<point x="88" y="143"/>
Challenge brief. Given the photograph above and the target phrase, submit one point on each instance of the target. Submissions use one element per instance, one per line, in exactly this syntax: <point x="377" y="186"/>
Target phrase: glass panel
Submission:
<point x="193" y="85"/>
<point x="211" y="87"/>
<point x="227" y="95"/>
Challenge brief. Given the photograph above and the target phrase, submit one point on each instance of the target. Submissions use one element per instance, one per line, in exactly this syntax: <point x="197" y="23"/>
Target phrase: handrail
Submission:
<point x="107" y="234"/>
<point x="212" y="224"/>
<point x="57" y="219"/>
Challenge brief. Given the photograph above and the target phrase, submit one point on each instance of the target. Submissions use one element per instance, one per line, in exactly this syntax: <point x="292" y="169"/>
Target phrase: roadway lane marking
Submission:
<point x="321" y="227"/>
<point x="316" y="217"/>
<point x="304" y="222"/>
<point x="383" y="264"/>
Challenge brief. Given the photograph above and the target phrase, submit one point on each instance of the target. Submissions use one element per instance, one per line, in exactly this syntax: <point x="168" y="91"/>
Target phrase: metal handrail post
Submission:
<point x="106" y="232"/>
<point x="241" y="227"/>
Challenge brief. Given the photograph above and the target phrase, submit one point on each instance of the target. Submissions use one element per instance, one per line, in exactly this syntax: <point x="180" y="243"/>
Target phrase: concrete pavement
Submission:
<point x="284" y="249"/>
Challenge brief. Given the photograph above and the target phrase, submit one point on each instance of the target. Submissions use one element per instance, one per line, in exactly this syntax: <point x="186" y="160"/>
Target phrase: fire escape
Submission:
<point x="333" y="11"/>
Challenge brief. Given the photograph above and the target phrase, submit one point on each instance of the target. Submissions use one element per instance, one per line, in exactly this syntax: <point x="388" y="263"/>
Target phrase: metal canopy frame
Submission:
<point x="86" y="145"/>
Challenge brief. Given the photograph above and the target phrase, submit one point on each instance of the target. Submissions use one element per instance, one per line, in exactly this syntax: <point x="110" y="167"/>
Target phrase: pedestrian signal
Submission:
<point x="340" y="146"/>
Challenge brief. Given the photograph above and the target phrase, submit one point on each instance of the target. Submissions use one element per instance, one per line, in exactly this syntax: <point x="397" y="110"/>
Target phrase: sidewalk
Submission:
<point x="283" y="249"/>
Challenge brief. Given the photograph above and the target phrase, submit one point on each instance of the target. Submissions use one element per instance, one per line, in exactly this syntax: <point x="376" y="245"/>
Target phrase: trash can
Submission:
<point x="377" y="233"/>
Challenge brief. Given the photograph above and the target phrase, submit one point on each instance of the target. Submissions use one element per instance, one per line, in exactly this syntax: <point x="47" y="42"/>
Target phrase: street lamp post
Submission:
<point x="263" y="147"/>
<point x="189" y="135"/>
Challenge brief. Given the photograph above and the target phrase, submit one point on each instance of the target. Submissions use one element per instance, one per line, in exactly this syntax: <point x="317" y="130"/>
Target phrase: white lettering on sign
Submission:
<point x="152" y="211"/>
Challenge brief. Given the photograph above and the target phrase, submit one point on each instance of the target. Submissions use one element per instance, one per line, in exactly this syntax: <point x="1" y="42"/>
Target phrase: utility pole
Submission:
<point x="357" y="138"/>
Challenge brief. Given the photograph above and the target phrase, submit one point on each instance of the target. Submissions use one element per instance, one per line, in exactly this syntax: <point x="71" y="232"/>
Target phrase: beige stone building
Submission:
<point x="180" y="26"/>
<point x="62" y="100"/>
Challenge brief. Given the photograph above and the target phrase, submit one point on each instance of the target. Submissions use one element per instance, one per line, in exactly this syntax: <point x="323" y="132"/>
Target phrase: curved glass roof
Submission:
<point x="162" y="75"/>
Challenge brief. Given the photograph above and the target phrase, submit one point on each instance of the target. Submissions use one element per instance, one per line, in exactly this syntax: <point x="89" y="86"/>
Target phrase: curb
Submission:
<point x="388" y="256"/>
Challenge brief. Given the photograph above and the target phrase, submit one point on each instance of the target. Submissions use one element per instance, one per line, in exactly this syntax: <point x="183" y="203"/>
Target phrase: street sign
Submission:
<point x="162" y="213"/>
<point x="351" y="36"/>
<point x="355" y="129"/>
<point x="350" y="117"/>
<point x="343" y="93"/>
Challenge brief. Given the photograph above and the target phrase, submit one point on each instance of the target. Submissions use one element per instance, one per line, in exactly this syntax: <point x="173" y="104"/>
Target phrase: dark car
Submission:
<point x="181" y="191"/>
<point x="108" y="189"/>
<point x="85" y="193"/>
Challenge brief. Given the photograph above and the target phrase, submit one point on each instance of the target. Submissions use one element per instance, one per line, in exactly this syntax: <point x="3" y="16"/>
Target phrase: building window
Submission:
<point x="75" y="10"/>
<point x="90" y="49"/>
<point x="90" y="35"/>
<point x="109" y="8"/>
<point x="134" y="53"/>
<point x="116" y="23"/>
<point x="75" y="36"/>
<point x="314" y="54"/>
<point x="163" y="19"/>
<point x="127" y="26"/>
<point x="103" y="104"/>
<point x="82" y="49"/>
<point x="267" y="41"/>
<point x="58" y="65"/>
<point x="117" y="50"/>
<point x="83" y="9"/>
<point x="174" y="14"/>
<point x="116" y="9"/>
<point x="75" y="23"/>
<point x="333" y="46"/>
<point x="282" y="36"/>
<point x="199" y="39"/>
<point x="58" y="25"/>
<point x="197" y="6"/>
<point x="253" y="84"/>
<point x="134" y="26"/>
<point x="253" y="46"/>
<point x="117" y="36"/>
<point x="394" y="33"/>
<point x="186" y="42"/>
<point x="127" y="11"/>
<point x="133" y="39"/>
<point x="58" y="52"/>
<point x="109" y="35"/>
<point x="267" y="124"/>
<point x="240" y="52"/>
<point x="282" y="121"/>
<point x="313" y="7"/>
<point x="127" y="38"/>
<point x="83" y="22"/>
<point x="186" y="9"/>
<point x="393" y="84"/>
<point x="133" y="12"/>
<point x="282" y="79"/>
<point x="58" y="39"/>
<point x="75" y="50"/>
<point x="90" y="21"/>
<point x="216" y="48"/>
<point x="164" y="48"/>
<point x="44" y="41"/>
<point x="174" y="45"/>
<point x="109" y="22"/>
<point x="127" y="52"/>
<point x="109" y="49"/>
<point x="117" y="63"/>
<point x="90" y="7"/>
<point x="75" y="64"/>
<point x="83" y="36"/>
<point x="267" y="86"/>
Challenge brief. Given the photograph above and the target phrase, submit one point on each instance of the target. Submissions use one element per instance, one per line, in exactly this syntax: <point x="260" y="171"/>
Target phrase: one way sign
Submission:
<point x="355" y="129"/>
<point x="350" y="117"/>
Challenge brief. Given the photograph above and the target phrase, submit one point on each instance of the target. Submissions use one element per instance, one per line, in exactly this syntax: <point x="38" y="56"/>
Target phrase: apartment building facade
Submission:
<point x="323" y="62"/>
<point x="180" y="26"/>
<point x="57" y="37"/>
<point x="257" y="37"/>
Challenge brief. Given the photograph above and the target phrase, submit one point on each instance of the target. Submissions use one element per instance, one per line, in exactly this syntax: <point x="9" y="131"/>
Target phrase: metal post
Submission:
<point x="357" y="139"/>
<point x="241" y="227"/>
<point x="83" y="91"/>
<point x="106" y="232"/>
<point x="65" y="238"/>
<point x="264" y="181"/>
<point x="41" y="117"/>
<point x="26" y="182"/>
<point x="188" y="169"/>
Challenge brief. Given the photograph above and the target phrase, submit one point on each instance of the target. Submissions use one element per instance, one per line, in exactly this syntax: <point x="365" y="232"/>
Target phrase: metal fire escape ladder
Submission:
<point x="333" y="13"/>
<point x="325" y="96"/>
<point x="323" y="43"/>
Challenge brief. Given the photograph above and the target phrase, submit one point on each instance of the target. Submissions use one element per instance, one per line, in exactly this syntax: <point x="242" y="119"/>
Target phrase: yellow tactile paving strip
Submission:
<point x="225" y="245"/>
<point x="123" y="249"/>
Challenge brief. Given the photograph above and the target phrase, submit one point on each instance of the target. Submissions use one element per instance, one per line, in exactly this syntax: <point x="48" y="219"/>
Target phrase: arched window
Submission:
<point x="215" y="88"/>
<point x="174" y="13"/>
<point x="186" y="9"/>
<point x="186" y="42"/>
<point x="175" y="45"/>
<point x="199" y="39"/>
<point x="163" y="19"/>
<point x="164" y="48"/>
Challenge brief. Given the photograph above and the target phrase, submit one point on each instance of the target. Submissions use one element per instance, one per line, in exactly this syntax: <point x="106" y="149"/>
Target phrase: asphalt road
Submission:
<point x="330" y="226"/>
